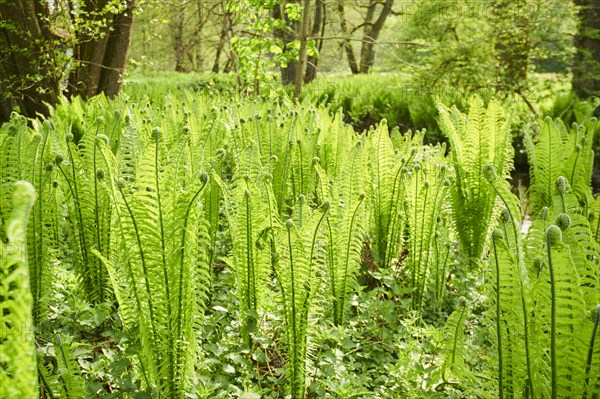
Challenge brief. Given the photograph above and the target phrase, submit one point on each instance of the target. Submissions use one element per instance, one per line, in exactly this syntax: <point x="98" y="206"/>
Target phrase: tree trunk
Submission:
<point x="117" y="49"/>
<point x="371" y="33"/>
<point x="586" y="68"/>
<point x="346" y="43"/>
<point x="288" y="73"/>
<point x="318" y="29"/>
<point x="513" y="44"/>
<point x="101" y="58"/>
<point x="301" y="67"/>
<point x="225" y="28"/>
<point x="178" y="49"/>
<point x="25" y="42"/>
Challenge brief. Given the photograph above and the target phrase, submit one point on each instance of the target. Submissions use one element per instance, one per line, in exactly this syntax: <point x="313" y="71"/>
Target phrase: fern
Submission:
<point x="249" y="210"/>
<point x="388" y="184"/>
<point x="296" y="273"/>
<point x="566" y="322"/>
<point x="557" y="151"/>
<point x="478" y="138"/>
<point x="44" y="229"/>
<point x="345" y="227"/>
<point x="90" y="208"/>
<point x="425" y="194"/>
<point x="162" y="255"/>
<point x="512" y="296"/>
<point x="512" y="341"/>
<point x="592" y="367"/>
<point x="61" y="379"/>
<point x="18" y="371"/>
<point x="454" y="340"/>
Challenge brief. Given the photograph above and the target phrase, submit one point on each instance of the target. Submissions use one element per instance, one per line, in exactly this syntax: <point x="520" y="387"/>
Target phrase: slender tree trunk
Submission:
<point x="586" y="68"/>
<point x="318" y="29"/>
<point x="178" y="49"/>
<point x="346" y="43"/>
<point x="301" y="68"/>
<point x="28" y="78"/>
<point x="371" y="33"/>
<point x="225" y="29"/>
<point x="117" y="49"/>
<point x="88" y="54"/>
<point x="288" y="73"/>
<point x="513" y="44"/>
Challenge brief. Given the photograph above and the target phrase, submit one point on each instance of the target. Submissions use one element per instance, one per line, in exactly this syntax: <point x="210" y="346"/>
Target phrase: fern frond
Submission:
<point x="567" y="319"/>
<point x="18" y="369"/>
<point x="454" y="340"/>
<point x="387" y="188"/>
<point x="345" y="227"/>
<point x="512" y="340"/>
<point x="425" y="194"/>
<point x="477" y="139"/>
<point x="297" y="280"/>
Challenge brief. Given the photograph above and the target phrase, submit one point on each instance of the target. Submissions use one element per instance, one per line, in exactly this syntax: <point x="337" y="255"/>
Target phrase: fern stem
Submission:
<point x="39" y="228"/>
<point x="552" y="315"/>
<point x="519" y="250"/>
<point x="294" y="331"/>
<point x="332" y="271"/>
<point x="413" y="244"/>
<point x="342" y="303"/>
<point x="498" y="327"/>
<point x="314" y="237"/>
<point x="99" y="274"/>
<point x="144" y="266"/>
<point x="251" y="300"/>
<point x="164" y="263"/>
<point x="597" y="235"/>
<point x="178" y="337"/>
<point x="421" y="274"/>
<point x="84" y="246"/>
<point x="588" y="366"/>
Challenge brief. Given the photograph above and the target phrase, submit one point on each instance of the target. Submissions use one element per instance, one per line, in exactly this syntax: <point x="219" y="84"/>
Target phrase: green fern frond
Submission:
<point x="454" y="343"/>
<point x="425" y="195"/>
<point x="477" y="139"/>
<point x="18" y="369"/>
<point x="512" y="332"/>
<point x="565" y="319"/>
<point x="162" y="257"/>
<point x="345" y="227"/>
<point x="512" y="296"/>
<point x="296" y="274"/>
<point x="387" y="188"/>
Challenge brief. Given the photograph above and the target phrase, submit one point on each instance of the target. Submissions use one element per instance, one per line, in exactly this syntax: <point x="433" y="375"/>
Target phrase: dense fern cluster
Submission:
<point x="143" y="201"/>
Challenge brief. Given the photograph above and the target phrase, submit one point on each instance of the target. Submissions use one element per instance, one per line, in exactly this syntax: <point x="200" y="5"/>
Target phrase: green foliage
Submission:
<point x="476" y="139"/>
<point x="556" y="151"/>
<point x="17" y="349"/>
<point x="389" y="173"/>
<point x="159" y="268"/>
<point x="345" y="226"/>
<point x="252" y="215"/>
<point x="426" y="190"/>
<point x="542" y="307"/>
<point x="162" y="268"/>
<point x="297" y="266"/>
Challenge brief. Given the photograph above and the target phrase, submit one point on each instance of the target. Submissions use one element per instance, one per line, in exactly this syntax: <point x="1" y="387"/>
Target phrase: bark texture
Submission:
<point x="27" y="78"/>
<point x="101" y="57"/>
<point x="586" y="67"/>
<point x="374" y="20"/>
